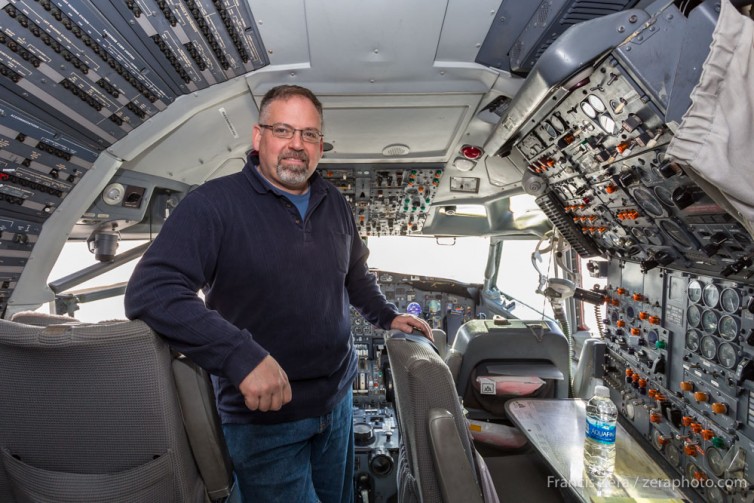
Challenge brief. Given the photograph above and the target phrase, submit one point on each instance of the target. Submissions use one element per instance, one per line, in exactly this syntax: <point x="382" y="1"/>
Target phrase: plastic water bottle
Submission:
<point x="599" y="444"/>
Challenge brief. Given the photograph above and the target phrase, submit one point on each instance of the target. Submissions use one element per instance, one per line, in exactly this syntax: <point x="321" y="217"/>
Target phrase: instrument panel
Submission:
<point x="679" y="318"/>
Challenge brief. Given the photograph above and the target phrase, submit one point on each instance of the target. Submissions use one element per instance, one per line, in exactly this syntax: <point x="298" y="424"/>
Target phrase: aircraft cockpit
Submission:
<point x="561" y="189"/>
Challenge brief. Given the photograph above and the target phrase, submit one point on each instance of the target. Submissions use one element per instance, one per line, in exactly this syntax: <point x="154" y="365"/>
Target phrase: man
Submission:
<point x="276" y="252"/>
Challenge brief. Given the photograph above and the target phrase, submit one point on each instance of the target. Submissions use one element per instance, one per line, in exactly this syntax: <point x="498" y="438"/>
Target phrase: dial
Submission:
<point x="434" y="306"/>
<point x="557" y="123"/>
<point x="711" y="295"/>
<point x="652" y="337"/>
<point x="730" y="300"/>
<point x="709" y="321"/>
<point x="726" y="355"/>
<point x="715" y="461"/>
<point x="694" y="316"/>
<point x="692" y="340"/>
<point x="728" y="327"/>
<point x="691" y="471"/>
<point x="708" y="347"/>
<point x="673" y="455"/>
<point x="648" y="203"/>
<point x="715" y="495"/>
<point x="654" y="236"/>
<point x="664" y="195"/>
<point x="588" y="110"/>
<point x="640" y="235"/>
<point x="657" y="440"/>
<point x="597" y="104"/>
<point x="694" y="291"/>
<point x="630" y="410"/>
<point x="549" y="129"/>
<point x="607" y="124"/>
<point x="676" y="233"/>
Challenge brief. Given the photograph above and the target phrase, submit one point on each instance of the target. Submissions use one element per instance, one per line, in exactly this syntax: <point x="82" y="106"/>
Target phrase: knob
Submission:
<point x="686" y="386"/>
<point x="719" y="408"/>
<point x="655" y="417"/>
<point x="687" y="420"/>
<point x="701" y="396"/>
<point x="707" y="434"/>
<point x="696" y="427"/>
<point x="690" y="448"/>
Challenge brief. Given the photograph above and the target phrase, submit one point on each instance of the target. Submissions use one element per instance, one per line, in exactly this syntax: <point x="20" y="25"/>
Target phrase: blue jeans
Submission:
<point x="305" y="461"/>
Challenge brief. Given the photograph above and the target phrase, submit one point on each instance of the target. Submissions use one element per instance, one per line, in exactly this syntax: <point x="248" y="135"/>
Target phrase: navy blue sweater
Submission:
<point x="274" y="283"/>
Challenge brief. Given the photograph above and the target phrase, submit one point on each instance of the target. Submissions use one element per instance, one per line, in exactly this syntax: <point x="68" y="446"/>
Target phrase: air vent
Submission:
<point x="396" y="149"/>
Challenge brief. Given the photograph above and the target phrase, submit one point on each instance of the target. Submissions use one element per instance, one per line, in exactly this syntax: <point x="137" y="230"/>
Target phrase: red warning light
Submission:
<point x="471" y="152"/>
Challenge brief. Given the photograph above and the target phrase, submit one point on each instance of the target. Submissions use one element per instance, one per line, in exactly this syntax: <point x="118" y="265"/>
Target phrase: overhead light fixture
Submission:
<point x="471" y="152"/>
<point x="463" y="164"/>
<point x="113" y="194"/>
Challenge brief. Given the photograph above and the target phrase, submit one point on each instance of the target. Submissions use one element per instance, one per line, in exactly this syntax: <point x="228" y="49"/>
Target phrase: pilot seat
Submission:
<point x="493" y="361"/>
<point x="104" y="412"/>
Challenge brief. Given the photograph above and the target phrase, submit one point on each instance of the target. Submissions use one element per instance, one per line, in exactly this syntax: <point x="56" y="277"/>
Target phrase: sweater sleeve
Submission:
<point x="163" y="292"/>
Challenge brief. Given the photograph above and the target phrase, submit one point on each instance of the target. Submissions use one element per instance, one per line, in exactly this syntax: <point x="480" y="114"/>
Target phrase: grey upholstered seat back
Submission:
<point x="90" y="413"/>
<point x="509" y="348"/>
<point x="422" y="382"/>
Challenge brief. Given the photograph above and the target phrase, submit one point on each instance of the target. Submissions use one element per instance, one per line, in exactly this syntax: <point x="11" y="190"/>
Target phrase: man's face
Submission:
<point x="288" y="163"/>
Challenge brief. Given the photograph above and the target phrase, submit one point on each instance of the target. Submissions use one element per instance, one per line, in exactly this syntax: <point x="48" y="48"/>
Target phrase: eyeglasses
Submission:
<point x="286" y="132"/>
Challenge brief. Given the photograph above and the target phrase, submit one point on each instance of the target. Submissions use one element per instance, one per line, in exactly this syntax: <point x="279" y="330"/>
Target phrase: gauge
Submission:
<point x="596" y="103"/>
<point x="549" y="129"/>
<point x="611" y="239"/>
<point x="630" y="410"/>
<point x="640" y="235"/>
<point x="692" y="471"/>
<point x="692" y="340"/>
<point x="414" y="308"/>
<point x="673" y="455"/>
<point x="558" y="124"/>
<point x="711" y="295"/>
<point x="730" y="300"/>
<point x="434" y="306"/>
<point x="664" y="195"/>
<point x="709" y="321"/>
<point x="588" y="110"/>
<point x="676" y="233"/>
<point x="728" y="328"/>
<point x="657" y="440"/>
<point x="726" y="355"/>
<point x="652" y="337"/>
<point x="693" y="316"/>
<point x="648" y="203"/>
<point x="630" y="313"/>
<point x="607" y="124"/>
<point x="708" y="347"/>
<point x="654" y="236"/>
<point x="714" y="494"/>
<point x="694" y="291"/>
<point x="715" y="461"/>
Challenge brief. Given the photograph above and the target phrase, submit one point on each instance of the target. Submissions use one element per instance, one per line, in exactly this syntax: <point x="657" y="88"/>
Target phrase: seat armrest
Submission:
<point x="455" y="473"/>
<point x="203" y="427"/>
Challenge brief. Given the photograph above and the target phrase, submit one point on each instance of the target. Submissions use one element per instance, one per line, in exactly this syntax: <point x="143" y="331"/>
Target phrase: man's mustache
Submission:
<point x="300" y="156"/>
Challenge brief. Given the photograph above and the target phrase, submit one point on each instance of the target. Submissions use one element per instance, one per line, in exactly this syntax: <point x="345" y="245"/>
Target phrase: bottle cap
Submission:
<point x="600" y="390"/>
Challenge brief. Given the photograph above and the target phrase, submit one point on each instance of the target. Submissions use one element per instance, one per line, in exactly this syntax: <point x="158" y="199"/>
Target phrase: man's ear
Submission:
<point x="256" y="136"/>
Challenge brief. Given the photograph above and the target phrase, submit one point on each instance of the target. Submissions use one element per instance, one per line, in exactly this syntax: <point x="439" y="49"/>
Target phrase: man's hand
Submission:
<point x="409" y="323"/>
<point x="266" y="387"/>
